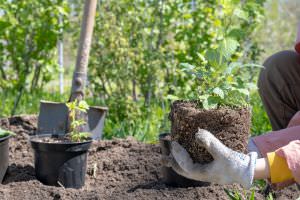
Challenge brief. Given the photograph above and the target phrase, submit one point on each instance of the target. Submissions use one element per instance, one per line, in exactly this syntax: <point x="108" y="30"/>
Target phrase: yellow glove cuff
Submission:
<point x="279" y="170"/>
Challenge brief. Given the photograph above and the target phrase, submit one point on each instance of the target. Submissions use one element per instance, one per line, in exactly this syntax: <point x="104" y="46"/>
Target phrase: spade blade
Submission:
<point x="53" y="118"/>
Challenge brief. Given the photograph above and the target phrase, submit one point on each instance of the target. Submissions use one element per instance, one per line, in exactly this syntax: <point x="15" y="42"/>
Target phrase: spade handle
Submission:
<point x="80" y="73"/>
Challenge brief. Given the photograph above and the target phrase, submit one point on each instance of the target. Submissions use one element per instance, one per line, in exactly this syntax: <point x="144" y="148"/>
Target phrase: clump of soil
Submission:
<point x="230" y="125"/>
<point x="117" y="169"/>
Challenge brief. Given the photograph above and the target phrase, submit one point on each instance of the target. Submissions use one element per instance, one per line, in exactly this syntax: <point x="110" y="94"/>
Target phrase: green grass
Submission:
<point x="258" y="185"/>
<point x="236" y="195"/>
<point x="260" y="121"/>
<point x="29" y="103"/>
<point x="126" y="117"/>
<point x="134" y="119"/>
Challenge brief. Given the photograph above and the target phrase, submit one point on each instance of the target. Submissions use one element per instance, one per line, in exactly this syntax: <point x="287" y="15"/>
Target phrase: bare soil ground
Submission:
<point x="117" y="169"/>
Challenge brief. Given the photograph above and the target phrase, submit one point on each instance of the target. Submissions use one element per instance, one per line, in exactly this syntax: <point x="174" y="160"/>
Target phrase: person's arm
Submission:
<point x="285" y="159"/>
<point x="261" y="170"/>
<point x="273" y="167"/>
<point x="274" y="140"/>
<point x="279" y="175"/>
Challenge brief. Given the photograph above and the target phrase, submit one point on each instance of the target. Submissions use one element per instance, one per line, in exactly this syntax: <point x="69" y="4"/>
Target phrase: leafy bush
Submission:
<point x="147" y="41"/>
<point x="218" y="80"/>
<point x="128" y="118"/>
<point x="135" y="57"/>
<point x="260" y="120"/>
<point x="29" y="103"/>
<point x="29" y="31"/>
<point x="137" y="63"/>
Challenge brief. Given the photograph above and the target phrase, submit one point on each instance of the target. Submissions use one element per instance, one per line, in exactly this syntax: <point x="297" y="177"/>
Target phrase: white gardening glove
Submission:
<point x="228" y="166"/>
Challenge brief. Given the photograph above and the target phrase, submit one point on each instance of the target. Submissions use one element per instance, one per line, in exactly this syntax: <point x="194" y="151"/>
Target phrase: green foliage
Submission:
<point x="235" y="23"/>
<point x="135" y="58"/>
<point x="29" y="31"/>
<point x="218" y="79"/>
<point x="270" y="197"/>
<point x="260" y="184"/>
<point x="140" y="57"/>
<point x="77" y="108"/>
<point x="5" y="133"/>
<point x="238" y="196"/>
<point x="260" y="120"/>
<point x="80" y="136"/>
<point x="275" y="34"/>
<point x="29" y="103"/>
<point x="138" y="63"/>
<point x="134" y="119"/>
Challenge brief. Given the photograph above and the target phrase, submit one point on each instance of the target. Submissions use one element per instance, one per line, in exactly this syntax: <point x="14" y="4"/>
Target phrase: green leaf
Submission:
<point x="243" y="91"/>
<point x="214" y="57"/>
<point x="83" y="106"/>
<point x="252" y="197"/>
<point x="187" y="67"/>
<point x="235" y="65"/>
<point x="204" y="100"/>
<point x="230" y="194"/>
<point x="172" y="97"/>
<point x="218" y="91"/>
<point x="4" y="25"/>
<point x="77" y="123"/>
<point x="213" y="102"/>
<point x="227" y="47"/>
<point x="241" y="14"/>
<point x="253" y="65"/>
<point x="251" y="86"/>
<point x="79" y="137"/>
<point x="4" y="133"/>
<point x="71" y="105"/>
<point x="84" y="135"/>
<point x="270" y="197"/>
<point x="202" y="58"/>
<point x="205" y="104"/>
<point x="237" y="33"/>
<point x="232" y="66"/>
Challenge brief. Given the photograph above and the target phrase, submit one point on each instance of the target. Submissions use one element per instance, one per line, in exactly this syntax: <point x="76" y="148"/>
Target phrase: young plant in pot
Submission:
<point x="61" y="160"/>
<point x="218" y="103"/>
<point x="4" y="151"/>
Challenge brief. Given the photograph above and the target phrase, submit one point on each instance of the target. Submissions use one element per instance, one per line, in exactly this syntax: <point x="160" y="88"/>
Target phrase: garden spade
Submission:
<point x="53" y="116"/>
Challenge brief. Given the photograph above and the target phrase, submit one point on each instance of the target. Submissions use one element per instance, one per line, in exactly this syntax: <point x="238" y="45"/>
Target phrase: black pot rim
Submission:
<point x="162" y="136"/>
<point x="41" y="146"/>
<point x="31" y="139"/>
<point x="5" y="138"/>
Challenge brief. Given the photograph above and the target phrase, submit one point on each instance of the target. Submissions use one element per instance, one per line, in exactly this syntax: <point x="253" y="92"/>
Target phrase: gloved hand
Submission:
<point x="228" y="166"/>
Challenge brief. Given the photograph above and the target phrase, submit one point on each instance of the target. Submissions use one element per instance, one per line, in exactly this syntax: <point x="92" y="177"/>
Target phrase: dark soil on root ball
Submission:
<point x="117" y="169"/>
<point x="229" y="125"/>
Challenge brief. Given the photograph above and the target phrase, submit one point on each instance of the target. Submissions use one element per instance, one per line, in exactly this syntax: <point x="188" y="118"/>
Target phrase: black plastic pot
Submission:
<point x="59" y="164"/>
<point x="170" y="177"/>
<point x="4" y="149"/>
